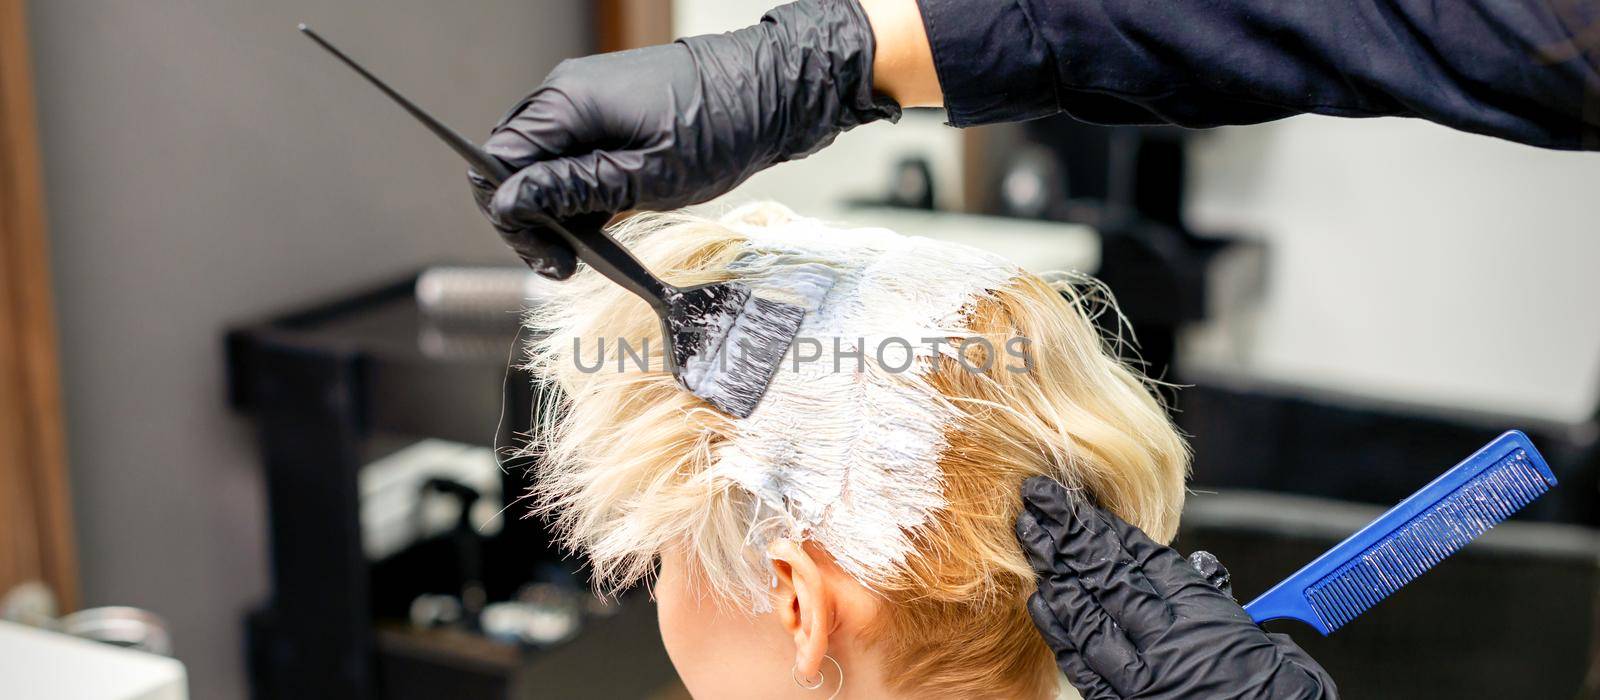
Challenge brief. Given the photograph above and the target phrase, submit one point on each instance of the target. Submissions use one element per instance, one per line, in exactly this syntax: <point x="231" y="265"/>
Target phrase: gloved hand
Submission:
<point x="1129" y="618"/>
<point x="668" y="126"/>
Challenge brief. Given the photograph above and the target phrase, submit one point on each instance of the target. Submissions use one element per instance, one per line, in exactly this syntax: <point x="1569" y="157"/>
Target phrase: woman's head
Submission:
<point x="865" y="509"/>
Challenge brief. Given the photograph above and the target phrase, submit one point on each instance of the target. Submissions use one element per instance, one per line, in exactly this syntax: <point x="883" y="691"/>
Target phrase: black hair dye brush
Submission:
<point x="725" y="343"/>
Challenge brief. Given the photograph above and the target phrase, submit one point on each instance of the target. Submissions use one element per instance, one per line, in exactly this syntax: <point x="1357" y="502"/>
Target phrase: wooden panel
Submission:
<point x="35" y="524"/>
<point x="630" y="24"/>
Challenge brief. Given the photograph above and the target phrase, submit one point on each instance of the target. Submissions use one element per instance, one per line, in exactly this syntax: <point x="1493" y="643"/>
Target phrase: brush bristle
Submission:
<point x="736" y="345"/>
<point x="1427" y="539"/>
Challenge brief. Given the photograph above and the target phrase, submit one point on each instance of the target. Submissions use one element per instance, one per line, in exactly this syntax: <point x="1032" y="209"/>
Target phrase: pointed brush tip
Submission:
<point x="303" y="27"/>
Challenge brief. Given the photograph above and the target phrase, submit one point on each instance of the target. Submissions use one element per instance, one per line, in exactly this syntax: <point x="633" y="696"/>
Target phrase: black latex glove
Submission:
<point x="1129" y="618"/>
<point x="668" y="126"/>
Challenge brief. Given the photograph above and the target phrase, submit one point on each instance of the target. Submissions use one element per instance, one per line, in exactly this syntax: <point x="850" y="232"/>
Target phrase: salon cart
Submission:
<point x="336" y="389"/>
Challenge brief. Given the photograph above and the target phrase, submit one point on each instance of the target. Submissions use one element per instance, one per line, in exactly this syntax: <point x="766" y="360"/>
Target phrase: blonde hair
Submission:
<point x="627" y="458"/>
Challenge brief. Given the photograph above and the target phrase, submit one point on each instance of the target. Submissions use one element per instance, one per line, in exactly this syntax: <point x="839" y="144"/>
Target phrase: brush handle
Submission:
<point x="588" y="239"/>
<point x="481" y="161"/>
<point x="610" y="258"/>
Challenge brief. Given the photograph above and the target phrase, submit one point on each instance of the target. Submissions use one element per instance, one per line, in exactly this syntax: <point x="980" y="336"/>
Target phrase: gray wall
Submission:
<point x="204" y="164"/>
<point x="1408" y="263"/>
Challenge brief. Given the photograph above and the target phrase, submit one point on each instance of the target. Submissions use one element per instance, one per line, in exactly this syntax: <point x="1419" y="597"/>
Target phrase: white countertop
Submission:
<point x="43" y="665"/>
<point x="1036" y="246"/>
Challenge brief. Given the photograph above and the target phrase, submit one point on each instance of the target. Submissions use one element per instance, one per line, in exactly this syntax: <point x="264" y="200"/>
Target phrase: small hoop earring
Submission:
<point x="794" y="673"/>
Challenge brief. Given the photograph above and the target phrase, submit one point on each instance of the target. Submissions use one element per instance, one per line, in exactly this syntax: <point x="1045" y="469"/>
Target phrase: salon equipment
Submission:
<point x="1412" y="537"/>
<point x="542" y="614"/>
<point x="397" y="510"/>
<point x="465" y="540"/>
<point x="120" y="625"/>
<point x="477" y="295"/>
<point x="726" y="343"/>
<point x="352" y="413"/>
<point x="431" y="610"/>
<point x="33" y="604"/>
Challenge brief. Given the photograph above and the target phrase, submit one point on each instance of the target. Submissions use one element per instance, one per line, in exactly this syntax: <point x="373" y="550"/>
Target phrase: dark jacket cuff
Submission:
<point x="992" y="64"/>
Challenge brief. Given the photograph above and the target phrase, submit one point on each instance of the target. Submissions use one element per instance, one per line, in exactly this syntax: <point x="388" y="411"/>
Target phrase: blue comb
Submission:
<point x="1411" y="538"/>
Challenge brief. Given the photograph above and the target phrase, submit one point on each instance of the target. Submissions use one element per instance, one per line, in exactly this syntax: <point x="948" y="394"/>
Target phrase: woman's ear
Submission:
<point x="805" y="604"/>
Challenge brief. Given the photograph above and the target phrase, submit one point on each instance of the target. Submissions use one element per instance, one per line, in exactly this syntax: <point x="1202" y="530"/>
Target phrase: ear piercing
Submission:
<point x="794" y="673"/>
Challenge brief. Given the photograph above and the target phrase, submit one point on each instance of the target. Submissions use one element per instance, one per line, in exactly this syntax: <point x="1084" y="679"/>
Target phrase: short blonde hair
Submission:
<point x="626" y="459"/>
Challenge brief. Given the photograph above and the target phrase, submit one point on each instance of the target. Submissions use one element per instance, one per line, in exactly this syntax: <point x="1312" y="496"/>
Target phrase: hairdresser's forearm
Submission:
<point x="902" y="60"/>
<point x="1517" y="69"/>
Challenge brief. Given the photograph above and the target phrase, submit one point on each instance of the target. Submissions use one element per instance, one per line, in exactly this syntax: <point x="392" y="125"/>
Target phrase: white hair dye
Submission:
<point x="848" y="456"/>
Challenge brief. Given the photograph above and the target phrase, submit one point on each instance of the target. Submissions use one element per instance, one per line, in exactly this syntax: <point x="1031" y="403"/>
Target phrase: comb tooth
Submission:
<point x="1325" y="611"/>
<point x="1351" y="594"/>
<point x="1341" y="604"/>
<point x="1393" y="576"/>
<point x="1448" y="534"/>
<point x="1415" y="559"/>
<point x="1535" y="482"/>
<point x="1328" y="607"/>
<point x="1517" y="476"/>
<point x="1372" y="589"/>
<point x="1525" y="470"/>
<point x="1362" y="594"/>
<point x="1510" y="483"/>
<point x="1358" y="601"/>
<point x="1422" y="558"/>
<point x="1520" y="470"/>
<point x="1440" y="536"/>
<point x="1443" y="532"/>
<point x="1409" y="567"/>
<point x="1425" y="557"/>
<point x="1514" y="493"/>
<point x="1315" y="598"/>
<point x="1483" y="496"/>
<point x="1425" y="540"/>
<point x="1480" y="517"/>
<point x="1421" y="542"/>
<point x="1452" y="536"/>
<point x="1369" y="592"/>
<point x="1360" y="576"/>
<point x="1391" y="568"/>
<point x="1500" y="490"/>
<point x="1319" y="605"/>
<point x="1507" y="486"/>
<point x="1341" y="601"/>
<point x="1490" y="497"/>
<point x="1337" y="613"/>
<point x="1458" y="517"/>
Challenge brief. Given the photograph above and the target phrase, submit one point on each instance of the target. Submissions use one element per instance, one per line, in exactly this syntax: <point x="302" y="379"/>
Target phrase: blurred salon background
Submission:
<point x="255" y="404"/>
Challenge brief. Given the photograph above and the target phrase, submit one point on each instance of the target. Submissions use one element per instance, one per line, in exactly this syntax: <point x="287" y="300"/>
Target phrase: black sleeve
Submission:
<point x="1525" y="70"/>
